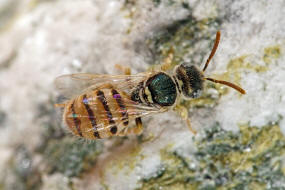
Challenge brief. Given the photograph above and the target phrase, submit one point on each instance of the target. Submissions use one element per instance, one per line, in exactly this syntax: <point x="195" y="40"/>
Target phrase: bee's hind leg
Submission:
<point x="136" y="130"/>
<point x="123" y="69"/>
<point x="139" y="127"/>
<point x="183" y="112"/>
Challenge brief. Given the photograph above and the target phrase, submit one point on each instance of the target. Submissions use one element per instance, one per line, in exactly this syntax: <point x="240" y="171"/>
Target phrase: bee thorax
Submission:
<point x="161" y="89"/>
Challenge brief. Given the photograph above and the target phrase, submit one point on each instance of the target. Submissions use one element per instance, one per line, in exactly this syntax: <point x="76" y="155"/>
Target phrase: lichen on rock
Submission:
<point x="225" y="160"/>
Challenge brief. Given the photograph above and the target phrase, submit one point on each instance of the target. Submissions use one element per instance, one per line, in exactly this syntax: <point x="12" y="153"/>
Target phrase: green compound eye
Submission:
<point x="162" y="89"/>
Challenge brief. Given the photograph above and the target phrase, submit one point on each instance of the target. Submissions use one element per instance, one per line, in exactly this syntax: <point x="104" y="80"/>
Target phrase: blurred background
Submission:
<point x="240" y="142"/>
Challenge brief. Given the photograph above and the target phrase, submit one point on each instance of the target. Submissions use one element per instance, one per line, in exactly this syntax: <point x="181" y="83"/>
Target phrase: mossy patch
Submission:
<point x="71" y="156"/>
<point x="183" y="3"/>
<point x="271" y="53"/>
<point x="251" y="159"/>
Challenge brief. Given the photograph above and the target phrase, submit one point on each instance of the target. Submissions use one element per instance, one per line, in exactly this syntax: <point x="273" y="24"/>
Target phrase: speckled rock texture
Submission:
<point x="240" y="140"/>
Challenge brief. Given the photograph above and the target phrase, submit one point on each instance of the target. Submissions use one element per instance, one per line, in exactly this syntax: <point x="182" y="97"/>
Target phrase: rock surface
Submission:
<point x="240" y="142"/>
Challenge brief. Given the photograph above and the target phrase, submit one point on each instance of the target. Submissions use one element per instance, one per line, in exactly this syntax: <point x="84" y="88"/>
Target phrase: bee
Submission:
<point x="101" y="106"/>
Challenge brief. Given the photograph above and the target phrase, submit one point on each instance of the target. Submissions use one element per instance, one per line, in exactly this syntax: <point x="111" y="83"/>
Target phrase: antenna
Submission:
<point x="234" y="86"/>
<point x="218" y="36"/>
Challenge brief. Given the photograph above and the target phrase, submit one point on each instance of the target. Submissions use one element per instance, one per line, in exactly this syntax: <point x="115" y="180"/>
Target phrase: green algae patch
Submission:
<point x="250" y="159"/>
<point x="242" y="63"/>
<point x="71" y="156"/>
<point x="271" y="53"/>
<point x="173" y="174"/>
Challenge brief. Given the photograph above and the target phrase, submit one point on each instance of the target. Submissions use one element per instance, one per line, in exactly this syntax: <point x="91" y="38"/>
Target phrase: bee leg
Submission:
<point x="166" y="65"/>
<point x="123" y="69"/>
<point x="183" y="112"/>
<point x="59" y="105"/>
<point x="188" y="122"/>
<point x="139" y="127"/>
<point x="137" y="130"/>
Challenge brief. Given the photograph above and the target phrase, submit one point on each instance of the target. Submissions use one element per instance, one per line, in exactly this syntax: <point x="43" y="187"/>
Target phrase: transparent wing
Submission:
<point x="74" y="84"/>
<point x="135" y="112"/>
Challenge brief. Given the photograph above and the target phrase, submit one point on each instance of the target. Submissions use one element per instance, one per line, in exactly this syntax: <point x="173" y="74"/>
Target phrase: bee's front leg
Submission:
<point x="167" y="62"/>
<point x="166" y="66"/>
<point x="183" y="113"/>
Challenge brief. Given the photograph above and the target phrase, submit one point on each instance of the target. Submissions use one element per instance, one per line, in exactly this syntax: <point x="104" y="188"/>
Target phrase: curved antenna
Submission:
<point x="218" y="36"/>
<point x="236" y="87"/>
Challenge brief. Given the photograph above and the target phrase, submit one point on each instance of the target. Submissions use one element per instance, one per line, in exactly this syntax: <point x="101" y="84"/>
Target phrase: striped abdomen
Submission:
<point x="97" y="114"/>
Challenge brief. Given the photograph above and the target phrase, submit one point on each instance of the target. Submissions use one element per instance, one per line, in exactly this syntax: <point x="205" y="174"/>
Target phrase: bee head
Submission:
<point x="191" y="80"/>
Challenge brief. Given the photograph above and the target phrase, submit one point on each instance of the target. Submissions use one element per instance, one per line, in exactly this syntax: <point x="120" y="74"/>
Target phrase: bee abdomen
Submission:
<point x="76" y="120"/>
<point x="91" y="116"/>
<point x="97" y="114"/>
<point x="116" y="95"/>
